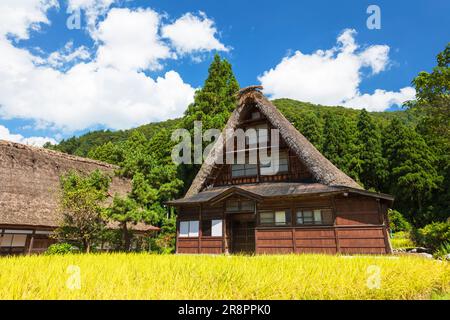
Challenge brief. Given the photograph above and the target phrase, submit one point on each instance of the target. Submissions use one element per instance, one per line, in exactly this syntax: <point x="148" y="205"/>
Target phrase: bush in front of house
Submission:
<point x="433" y="235"/>
<point x="397" y="221"/>
<point x="443" y="251"/>
<point x="61" y="248"/>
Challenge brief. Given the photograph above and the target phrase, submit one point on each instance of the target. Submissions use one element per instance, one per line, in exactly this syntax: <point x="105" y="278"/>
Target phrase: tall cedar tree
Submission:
<point x="216" y="100"/>
<point x="338" y="144"/>
<point x="413" y="174"/>
<point x="372" y="164"/>
<point x="433" y="100"/>
<point x="212" y="105"/>
<point x="311" y="128"/>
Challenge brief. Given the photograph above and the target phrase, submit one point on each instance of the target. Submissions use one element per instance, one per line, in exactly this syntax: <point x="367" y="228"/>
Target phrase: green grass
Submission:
<point x="402" y="240"/>
<point x="145" y="276"/>
<point x="402" y="243"/>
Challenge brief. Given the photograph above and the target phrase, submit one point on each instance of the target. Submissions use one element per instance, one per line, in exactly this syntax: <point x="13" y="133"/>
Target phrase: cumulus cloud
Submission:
<point x="18" y="17"/>
<point x="109" y="89"/>
<point x="193" y="33"/>
<point x="333" y="76"/>
<point x="130" y="40"/>
<point x="67" y="55"/>
<point x="5" y="134"/>
<point x="93" y="9"/>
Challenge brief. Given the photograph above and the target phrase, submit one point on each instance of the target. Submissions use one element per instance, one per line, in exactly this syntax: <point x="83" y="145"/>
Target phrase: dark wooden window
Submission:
<point x="255" y="115"/>
<point x="275" y="218"/>
<point x="206" y="228"/>
<point x="240" y="205"/>
<point x="280" y="165"/>
<point x="314" y="216"/>
<point x="212" y="228"/>
<point x="243" y="170"/>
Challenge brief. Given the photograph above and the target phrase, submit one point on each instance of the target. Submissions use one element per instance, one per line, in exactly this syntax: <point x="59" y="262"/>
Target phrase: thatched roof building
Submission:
<point x="306" y="205"/>
<point x="29" y="187"/>
<point x="321" y="168"/>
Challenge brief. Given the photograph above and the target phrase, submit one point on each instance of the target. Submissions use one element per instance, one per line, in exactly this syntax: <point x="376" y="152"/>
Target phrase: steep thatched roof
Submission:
<point x="323" y="171"/>
<point x="29" y="184"/>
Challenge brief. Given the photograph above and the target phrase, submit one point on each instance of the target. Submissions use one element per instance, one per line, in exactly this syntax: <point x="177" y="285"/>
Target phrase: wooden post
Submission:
<point x="336" y="233"/>
<point x="293" y="224"/>
<point x="224" y="231"/>
<point x="30" y="246"/>
<point x="200" y="229"/>
<point x="387" y="241"/>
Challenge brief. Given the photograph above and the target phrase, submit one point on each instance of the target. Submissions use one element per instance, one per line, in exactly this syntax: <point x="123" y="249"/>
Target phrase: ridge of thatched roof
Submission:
<point x="321" y="168"/>
<point x="54" y="154"/>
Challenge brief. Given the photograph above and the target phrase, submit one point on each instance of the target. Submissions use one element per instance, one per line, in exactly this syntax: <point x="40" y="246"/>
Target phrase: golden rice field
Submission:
<point x="146" y="276"/>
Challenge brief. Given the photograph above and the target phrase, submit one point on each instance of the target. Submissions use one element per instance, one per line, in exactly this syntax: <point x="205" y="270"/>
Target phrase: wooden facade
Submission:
<point x="306" y="206"/>
<point x="358" y="225"/>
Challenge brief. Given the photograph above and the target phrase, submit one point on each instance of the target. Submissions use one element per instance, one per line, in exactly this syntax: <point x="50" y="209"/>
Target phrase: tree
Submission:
<point x="154" y="181"/>
<point x="372" y="164"/>
<point x="338" y="144"/>
<point x="311" y="128"/>
<point x="82" y="205"/>
<point x="413" y="175"/>
<point x="216" y="100"/>
<point x="433" y="101"/>
<point x="433" y="95"/>
<point x="108" y="152"/>
<point x="126" y="211"/>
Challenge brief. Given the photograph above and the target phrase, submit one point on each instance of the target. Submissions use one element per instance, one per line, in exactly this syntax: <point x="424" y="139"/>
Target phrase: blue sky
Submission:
<point x="133" y="62"/>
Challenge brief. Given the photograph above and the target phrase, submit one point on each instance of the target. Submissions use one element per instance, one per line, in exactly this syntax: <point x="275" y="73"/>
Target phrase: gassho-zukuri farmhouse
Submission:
<point x="29" y="191"/>
<point x="307" y="206"/>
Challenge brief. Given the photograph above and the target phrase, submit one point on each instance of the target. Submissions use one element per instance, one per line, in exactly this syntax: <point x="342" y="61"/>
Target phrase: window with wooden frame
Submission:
<point x="239" y="205"/>
<point x="212" y="228"/>
<point x="314" y="217"/>
<point x="280" y="165"/>
<point x="243" y="170"/>
<point x="13" y="240"/>
<point x="189" y="229"/>
<point x="275" y="218"/>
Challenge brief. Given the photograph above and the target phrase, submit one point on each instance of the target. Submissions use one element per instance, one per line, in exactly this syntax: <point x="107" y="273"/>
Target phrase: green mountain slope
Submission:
<point x="293" y="110"/>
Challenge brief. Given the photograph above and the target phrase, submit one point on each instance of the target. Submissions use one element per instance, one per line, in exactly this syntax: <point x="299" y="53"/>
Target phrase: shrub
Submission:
<point x="433" y="235"/>
<point x="443" y="250"/>
<point x="60" y="248"/>
<point x="397" y="221"/>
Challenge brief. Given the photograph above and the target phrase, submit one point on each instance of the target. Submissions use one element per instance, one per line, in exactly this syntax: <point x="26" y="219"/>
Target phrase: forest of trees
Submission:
<point x="403" y="153"/>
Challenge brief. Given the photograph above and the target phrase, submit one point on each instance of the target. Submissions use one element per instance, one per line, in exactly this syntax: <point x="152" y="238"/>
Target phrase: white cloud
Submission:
<point x="107" y="90"/>
<point x="67" y="55"/>
<point x="17" y="17"/>
<point x="381" y="99"/>
<point x="192" y="33"/>
<point x="34" y="141"/>
<point x="93" y="9"/>
<point x="333" y="76"/>
<point x="130" y="40"/>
